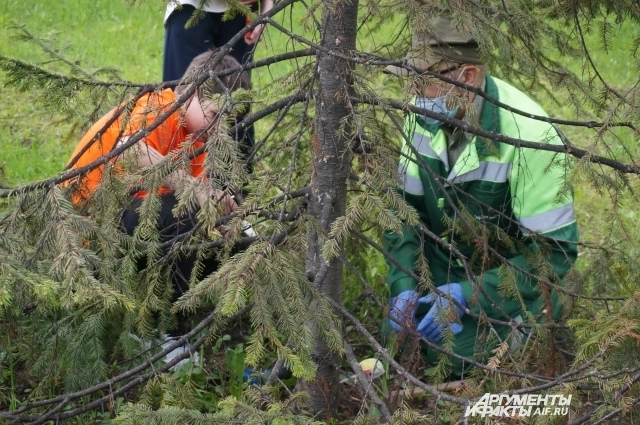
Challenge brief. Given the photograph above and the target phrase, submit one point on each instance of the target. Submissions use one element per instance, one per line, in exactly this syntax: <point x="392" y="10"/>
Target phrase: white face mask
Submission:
<point x="437" y="105"/>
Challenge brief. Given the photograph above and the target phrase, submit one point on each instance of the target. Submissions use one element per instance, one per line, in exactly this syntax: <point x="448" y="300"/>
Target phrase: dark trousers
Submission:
<point x="169" y="227"/>
<point x="181" y="45"/>
<point x="182" y="266"/>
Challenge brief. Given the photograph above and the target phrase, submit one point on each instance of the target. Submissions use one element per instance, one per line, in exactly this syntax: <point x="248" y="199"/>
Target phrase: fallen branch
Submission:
<point x="447" y="386"/>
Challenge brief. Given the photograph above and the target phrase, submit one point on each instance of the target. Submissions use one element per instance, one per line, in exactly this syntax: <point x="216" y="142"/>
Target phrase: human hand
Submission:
<point x="254" y="36"/>
<point x="226" y="200"/>
<point x="403" y="310"/>
<point x="431" y="325"/>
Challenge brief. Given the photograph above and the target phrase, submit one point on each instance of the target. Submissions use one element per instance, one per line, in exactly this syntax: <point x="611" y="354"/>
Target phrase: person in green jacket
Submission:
<point x="497" y="224"/>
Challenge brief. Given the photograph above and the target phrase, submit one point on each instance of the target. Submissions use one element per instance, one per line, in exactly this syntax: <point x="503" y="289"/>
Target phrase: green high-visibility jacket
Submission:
<point x="508" y="193"/>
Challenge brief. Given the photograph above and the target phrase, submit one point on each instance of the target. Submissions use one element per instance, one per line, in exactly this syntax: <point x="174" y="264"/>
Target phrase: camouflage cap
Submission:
<point x="447" y="44"/>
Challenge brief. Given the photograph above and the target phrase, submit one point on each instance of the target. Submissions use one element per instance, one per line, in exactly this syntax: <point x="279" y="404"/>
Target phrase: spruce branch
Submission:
<point x="368" y="289"/>
<point x="385" y="355"/>
<point x="567" y="147"/>
<point x="614" y="413"/>
<point x="585" y="50"/>
<point x="68" y="175"/>
<point x="371" y="60"/>
<point x="28" y="35"/>
<point x="16" y="71"/>
<point x="261" y="212"/>
<point x="569" y="376"/>
<point x="292" y="100"/>
<point x="17" y="416"/>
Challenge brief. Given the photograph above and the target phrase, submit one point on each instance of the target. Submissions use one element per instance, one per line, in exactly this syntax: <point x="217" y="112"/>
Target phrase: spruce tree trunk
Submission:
<point x="331" y="160"/>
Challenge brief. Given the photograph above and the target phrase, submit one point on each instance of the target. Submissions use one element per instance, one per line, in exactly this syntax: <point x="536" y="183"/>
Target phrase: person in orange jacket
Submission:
<point x="185" y="130"/>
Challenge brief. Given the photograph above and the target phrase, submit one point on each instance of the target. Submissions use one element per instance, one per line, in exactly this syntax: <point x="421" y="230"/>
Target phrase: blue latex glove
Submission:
<point x="253" y="377"/>
<point x="431" y="325"/>
<point x="403" y="310"/>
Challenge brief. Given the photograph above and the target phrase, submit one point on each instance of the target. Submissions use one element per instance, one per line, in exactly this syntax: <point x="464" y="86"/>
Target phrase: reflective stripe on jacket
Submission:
<point x="516" y="198"/>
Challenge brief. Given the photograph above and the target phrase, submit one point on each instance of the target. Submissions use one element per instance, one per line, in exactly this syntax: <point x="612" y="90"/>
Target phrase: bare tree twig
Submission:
<point x="367" y="59"/>
<point x="364" y="383"/>
<point x="568" y="148"/>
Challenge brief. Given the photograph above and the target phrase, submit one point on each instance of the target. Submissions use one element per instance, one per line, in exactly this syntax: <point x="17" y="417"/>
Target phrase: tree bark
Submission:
<point x="331" y="162"/>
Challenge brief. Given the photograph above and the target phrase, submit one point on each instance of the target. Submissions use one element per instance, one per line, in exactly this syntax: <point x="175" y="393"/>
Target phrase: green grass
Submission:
<point x="98" y="34"/>
<point x="102" y="34"/>
<point x="94" y="34"/>
<point x="618" y="67"/>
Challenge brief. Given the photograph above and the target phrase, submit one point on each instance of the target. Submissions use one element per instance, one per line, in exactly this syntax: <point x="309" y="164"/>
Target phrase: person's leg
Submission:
<point x="170" y="228"/>
<point x="243" y="53"/>
<point x="181" y="45"/>
<point x="129" y="220"/>
<point x="245" y="138"/>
